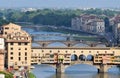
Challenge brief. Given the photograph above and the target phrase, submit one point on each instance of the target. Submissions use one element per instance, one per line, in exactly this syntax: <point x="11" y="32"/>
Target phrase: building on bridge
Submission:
<point x="101" y="58"/>
<point x="17" y="45"/>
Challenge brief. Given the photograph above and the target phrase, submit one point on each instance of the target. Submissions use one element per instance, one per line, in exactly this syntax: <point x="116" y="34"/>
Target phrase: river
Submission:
<point x="75" y="71"/>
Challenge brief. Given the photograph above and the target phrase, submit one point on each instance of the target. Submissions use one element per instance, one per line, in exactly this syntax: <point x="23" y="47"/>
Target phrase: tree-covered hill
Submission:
<point x="57" y="17"/>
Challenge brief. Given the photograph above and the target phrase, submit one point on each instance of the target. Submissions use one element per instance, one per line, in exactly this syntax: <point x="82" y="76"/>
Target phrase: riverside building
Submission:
<point x="88" y="23"/>
<point x="18" y="46"/>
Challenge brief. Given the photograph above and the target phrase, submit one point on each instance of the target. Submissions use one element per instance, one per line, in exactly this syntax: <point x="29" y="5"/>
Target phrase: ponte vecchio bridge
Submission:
<point x="69" y="43"/>
<point x="60" y="58"/>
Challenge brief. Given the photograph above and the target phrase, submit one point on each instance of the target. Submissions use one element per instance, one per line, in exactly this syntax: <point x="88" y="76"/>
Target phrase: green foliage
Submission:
<point x="31" y="75"/>
<point x="57" y="17"/>
<point x="2" y="21"/>
<point x="107" y="24"/>
<point x="7" y="75"/>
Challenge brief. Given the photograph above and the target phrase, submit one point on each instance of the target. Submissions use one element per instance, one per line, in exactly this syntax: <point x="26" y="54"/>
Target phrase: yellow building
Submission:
<point x="18" y="46"/>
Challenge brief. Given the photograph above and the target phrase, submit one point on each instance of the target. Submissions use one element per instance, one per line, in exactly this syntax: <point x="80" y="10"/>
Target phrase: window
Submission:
<point x="11" y="58"/>
<point x="19" y="43"/>
<point x="25" y="58"/>
<point x="66" y="51"/>
<point x="19" y="54"/>
<point x="50" y="51"/>
<point x="25" y="53"/>
<point x="26" y="43"/>
<point x="5" y="32"/>
<point x="19" y="58"/>
<point x="74" y="51"/>
<point x="11" y="43"/>
<point x="19" y="49"/>
<point x="11" y="53"/>
<point x="11" y="48"/>
<point x="25" y="48"/>
<point x="6" y="27"/>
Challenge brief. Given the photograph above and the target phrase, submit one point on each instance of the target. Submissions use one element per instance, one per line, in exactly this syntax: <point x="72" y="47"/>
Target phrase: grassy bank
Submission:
<point x="7" y="74"/>
<point x="31" y="75"/>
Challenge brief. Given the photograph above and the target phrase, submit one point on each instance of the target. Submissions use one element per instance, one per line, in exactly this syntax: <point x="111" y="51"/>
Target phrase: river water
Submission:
<point x="75" y="71"/>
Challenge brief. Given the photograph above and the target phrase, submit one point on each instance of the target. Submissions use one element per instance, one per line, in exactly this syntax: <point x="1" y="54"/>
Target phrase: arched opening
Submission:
<point x="80" y="68"/>
<point x="90" y="57"/>
<point x="81" y="45"/>
<point x="56" y="44"/>
<point x="100" y="45"/>
<point x="74" y="57"/>
<point x="82" y="57"/>
<point x="114" y="69"/>
<point x="36" y="45"/>
<point x="43" y="70"/>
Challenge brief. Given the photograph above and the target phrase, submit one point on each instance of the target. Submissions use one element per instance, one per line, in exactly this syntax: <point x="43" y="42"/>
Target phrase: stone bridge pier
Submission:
<point x="103" y="68"/>
<point x="60" y="68"/>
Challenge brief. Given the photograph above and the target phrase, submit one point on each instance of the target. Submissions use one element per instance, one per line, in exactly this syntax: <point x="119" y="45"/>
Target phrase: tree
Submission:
<point x="107" y="24"/>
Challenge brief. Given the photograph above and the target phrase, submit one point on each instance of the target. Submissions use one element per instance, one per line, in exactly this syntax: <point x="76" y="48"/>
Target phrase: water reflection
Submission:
<point x="45" y="71"/>
<point x="90" y="75"/>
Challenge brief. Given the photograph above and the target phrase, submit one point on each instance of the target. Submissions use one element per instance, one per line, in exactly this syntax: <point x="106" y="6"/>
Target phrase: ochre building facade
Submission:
<point x="18" y="46"/>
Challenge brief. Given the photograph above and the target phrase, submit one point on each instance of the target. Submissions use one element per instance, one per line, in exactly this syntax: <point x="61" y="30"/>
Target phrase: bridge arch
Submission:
<point x="89" y="57"/>
<point x="80" y="67"/>
<point x="48" y="65"/>
<point x="36" y="45"/>
<point x="81" y="45"/>
<point x="82" y="57"/>
<point x="113" y="69"/>
<point x="100" y="45"/>
<point x="56" y="44"/>
<point x="74" y="57"/>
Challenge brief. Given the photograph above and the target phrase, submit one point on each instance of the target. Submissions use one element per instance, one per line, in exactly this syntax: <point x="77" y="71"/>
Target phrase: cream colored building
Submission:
<point x="88" y="23"/>
<point x="2" y="53"/>
<point x="40" y="55"/>
<point x="18" y="46"/>
<point x="100" y="55"/>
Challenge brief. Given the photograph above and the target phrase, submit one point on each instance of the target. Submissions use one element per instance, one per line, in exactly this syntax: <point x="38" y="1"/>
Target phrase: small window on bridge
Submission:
<point x="89" y="51"/>
<point x="97" y="51"/>
<point x="113" y="51"/>
<point x="66" y="51"/>
<point x="81" y="51"/>
<point x="74" y="51"/>
<point x="42" y="50"/>
<point x="105" y="51"/>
